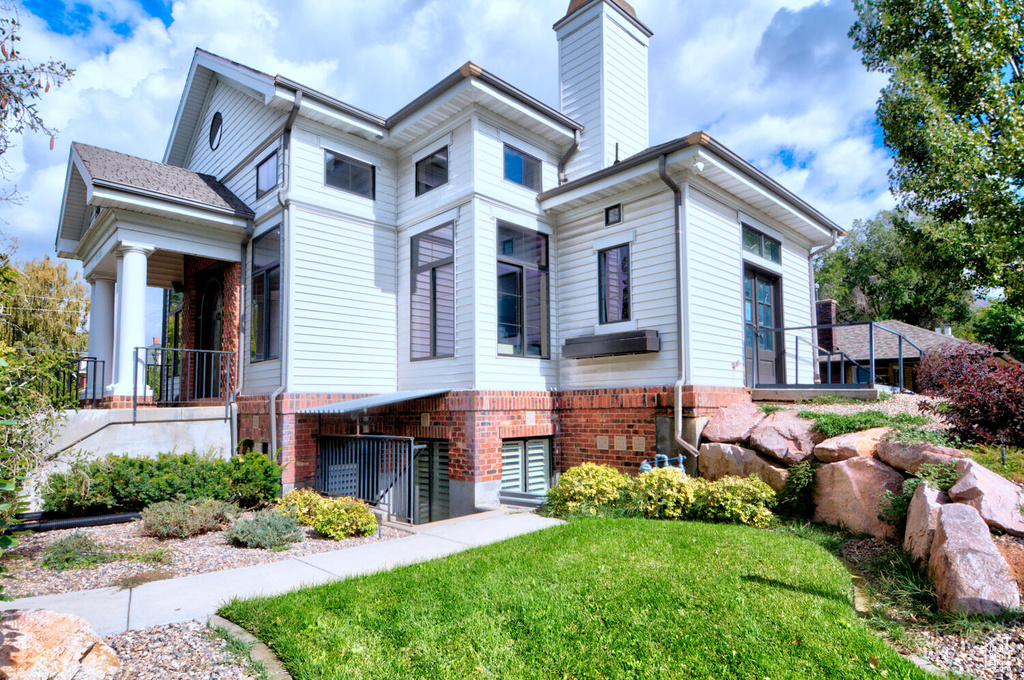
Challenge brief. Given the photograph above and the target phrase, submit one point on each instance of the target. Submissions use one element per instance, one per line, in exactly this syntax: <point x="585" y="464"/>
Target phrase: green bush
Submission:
<point x="300" y="504"/>
<point x="74" y="551"/>
<point x="340" y="518"/>
<point x="266" y="529"/>
<point x="746" y="500"/>
<point x="835" y="424"/>
<point x="184" y="519"/>
<point x="896" y="506"/>
<point x="587" y="488"/>
<point x="125" y="484"/>
<point x="796" y="499"/>
<point x="662" y="493"/>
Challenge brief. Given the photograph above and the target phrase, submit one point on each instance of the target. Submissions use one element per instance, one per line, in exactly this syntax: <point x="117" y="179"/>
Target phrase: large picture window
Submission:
<point x="613" y="284"/>
<point x="265" y="324"/>
<point x="522" y="292"/>
<point x="432" y="171"/>
<point x="432" y="331"/>
<point x="349" y="174"/>
<point x="522" y="168"/>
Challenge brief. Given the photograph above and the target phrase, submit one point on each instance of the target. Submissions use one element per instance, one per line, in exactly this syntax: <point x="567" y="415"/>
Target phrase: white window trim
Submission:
<point x="762" y="263"/>
<point x="620" y="327"/>
<point x="761" y="227"/>
<point x="612" y="240"/>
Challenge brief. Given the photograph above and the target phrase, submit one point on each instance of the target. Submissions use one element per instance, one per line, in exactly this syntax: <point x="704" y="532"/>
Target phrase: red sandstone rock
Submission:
<point x="724" y="460"/>
<point x="970" y="574"/>
<point x="910" y="457"/>
<point x="733" y="425"/>
<point x="45" y="645"/>
<point x="921" y="521"/>
<point x="849" y="494"/>
<point x="786" y="437"/>
<point x="997" y="499"/>
<point x="853" y="445"/>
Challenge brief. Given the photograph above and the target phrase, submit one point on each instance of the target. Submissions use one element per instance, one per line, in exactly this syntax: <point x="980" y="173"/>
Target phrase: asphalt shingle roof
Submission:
<point x="169" y="180"/>
<point x="854" y="340"/>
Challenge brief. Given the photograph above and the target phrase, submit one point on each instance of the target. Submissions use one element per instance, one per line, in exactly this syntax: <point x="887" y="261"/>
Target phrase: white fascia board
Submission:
<point x="284" y="99"/>
<point x="66" y="248"/>
<point x="114" y="198"/>
<point x="430" y="108"/>
<point x="181" y="107"/>
<point x="567" y="134"/>
<point x="73" y="161"/>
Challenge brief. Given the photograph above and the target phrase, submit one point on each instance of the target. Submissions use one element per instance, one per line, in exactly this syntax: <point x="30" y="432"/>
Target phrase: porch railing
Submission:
<point x="167" y="376"/>
<point x="810" y="364"/>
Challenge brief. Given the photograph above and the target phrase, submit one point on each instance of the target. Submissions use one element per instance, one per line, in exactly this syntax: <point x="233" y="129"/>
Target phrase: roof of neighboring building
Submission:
<point x="138" y="175"/>
<point x="855" y="341"/>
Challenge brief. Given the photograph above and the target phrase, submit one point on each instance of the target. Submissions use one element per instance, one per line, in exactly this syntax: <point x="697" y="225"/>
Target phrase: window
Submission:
<point x="613" y="215"/>
<point x="522" y="292"/>
<point x="613" y="282"/>
<point x="526" y="465"/>
<point x="348" y="174"/>
<point x="266" y="175"/>
<point x="761" y="245"/>
<point x="430" y="481"/>
<point x="432" y="310"/>
<point x="432" y="171"/>
<point x="216" y="130"/>
<point x="265" y="325"/>
<point x="522" y="168"/>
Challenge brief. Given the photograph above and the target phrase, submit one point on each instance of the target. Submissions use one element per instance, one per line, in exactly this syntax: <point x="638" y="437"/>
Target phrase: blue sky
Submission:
<point x="777" y="81"/>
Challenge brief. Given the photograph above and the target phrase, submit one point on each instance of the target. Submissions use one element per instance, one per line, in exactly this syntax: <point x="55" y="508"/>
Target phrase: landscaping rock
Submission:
<point x="910" y="457"/>
<point x="44" y="645"/>
<point x="997" y="499"/>
<point x="786" y="437"/>
<point x="853" y="445"/>
<point x="849" y="494"/>
<point x="969" y="572"/>
<point x="724" y="460"/>
<point x="733" y="425"/>
<point x="921" y="521"/>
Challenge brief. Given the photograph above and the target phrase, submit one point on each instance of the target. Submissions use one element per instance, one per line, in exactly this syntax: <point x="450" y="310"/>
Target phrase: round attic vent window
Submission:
<point x="216" y="127"/>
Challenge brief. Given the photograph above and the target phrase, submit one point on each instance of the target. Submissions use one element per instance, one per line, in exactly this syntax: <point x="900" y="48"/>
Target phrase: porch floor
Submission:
<point x="771" y="394"/>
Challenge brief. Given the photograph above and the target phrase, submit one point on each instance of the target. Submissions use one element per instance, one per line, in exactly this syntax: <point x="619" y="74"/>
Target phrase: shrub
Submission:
<point x="184" y="519"/>
<point x="586" y="488"/>
<point x="662" y="493"/>
<point x="896" y="506"/>
<point x="74" y="551"/>
<point x="835" y="424"/>
<point x="796" y="499"/>
<point x="734" y="499"/>
<point x="343" y="517"/>
<point x="300" y="504"/>
<point x="123" y="483"/>
<point x="985" y="394"/>
<point x="267" y="529"/>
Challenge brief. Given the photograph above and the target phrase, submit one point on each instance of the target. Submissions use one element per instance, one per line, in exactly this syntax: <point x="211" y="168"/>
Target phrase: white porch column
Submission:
<point x="101" y="331"/>
<point x="118" y="287"/>
<point x="131" y="315"/>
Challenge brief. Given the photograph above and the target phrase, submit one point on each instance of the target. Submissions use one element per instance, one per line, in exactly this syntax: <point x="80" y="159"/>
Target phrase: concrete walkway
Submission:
<point x="111" y="611"/>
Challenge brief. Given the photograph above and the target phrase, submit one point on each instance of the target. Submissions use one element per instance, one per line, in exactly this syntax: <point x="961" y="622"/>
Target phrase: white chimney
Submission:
<point x="602" y="71"/>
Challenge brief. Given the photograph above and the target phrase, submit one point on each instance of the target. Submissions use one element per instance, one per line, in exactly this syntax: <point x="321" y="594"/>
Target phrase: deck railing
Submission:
<point x="168" y="376"/>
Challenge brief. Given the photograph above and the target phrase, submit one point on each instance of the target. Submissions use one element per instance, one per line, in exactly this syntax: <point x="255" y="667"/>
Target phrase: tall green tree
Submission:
<point x="1001" y="326"/>
<point x="48" y="307"/>
<point x="953" y="117"/>
<point x="890" y="268"/>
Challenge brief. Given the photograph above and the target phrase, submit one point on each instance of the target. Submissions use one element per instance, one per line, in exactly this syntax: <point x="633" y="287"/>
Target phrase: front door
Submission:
<point x="210" y="333"/>
<point x="761" y="314"/>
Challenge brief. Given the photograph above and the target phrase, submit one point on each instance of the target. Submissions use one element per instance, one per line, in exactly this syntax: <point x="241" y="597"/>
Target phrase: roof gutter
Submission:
<point x="567" y="156"/>
<point x="811" y="254"/>
<point x="681" y="198"/>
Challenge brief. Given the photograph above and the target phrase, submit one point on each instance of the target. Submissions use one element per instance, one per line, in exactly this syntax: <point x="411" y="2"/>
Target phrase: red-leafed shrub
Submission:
<point x="985" y="394"/>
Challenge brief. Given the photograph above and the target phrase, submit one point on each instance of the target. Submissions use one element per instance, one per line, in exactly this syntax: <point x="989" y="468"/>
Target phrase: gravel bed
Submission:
<point x="996" y="656"/>
<point x="179" y="651"/>
<point x="198" y="555"/>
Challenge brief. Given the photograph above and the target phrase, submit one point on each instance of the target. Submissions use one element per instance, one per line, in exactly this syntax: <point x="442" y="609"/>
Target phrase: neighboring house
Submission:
<point x="517" y="287"/>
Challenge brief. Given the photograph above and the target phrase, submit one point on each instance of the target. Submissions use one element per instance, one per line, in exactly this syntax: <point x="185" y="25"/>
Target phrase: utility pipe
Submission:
<point x="682" y="305"/>
<point x="814" y="301"/>
<point x="240" y="365"/>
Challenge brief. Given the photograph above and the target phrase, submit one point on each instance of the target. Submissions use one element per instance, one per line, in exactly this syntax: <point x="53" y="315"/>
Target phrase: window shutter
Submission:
<point x="512" y="466"/>
<point x="537" y="465"/>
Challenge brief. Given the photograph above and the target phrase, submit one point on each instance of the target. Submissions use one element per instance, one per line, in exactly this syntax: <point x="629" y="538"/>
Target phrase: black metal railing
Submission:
<point x="66" y="380"/>
<point x="167" y="376"/>
<point x="378" y="470"/>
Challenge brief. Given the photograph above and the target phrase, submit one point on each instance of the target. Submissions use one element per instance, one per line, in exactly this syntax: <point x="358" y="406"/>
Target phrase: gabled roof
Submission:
<point x="855" y="341"/>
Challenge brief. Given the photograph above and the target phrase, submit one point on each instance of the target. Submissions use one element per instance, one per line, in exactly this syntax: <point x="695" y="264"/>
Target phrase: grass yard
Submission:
<point x="602" y="598"/>
<point x="991" y="457"/>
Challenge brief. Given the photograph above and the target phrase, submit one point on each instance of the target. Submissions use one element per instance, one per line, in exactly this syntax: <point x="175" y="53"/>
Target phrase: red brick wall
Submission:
<point x="198" y="270"/>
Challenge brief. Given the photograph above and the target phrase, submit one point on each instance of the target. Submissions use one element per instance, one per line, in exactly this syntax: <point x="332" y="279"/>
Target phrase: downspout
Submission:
<point x="286" y="152"/>
<point x="249" y="228"/>
<point x="814" y="302"/>
<point x="682" y="305"/>
<point x="564" y="160"/>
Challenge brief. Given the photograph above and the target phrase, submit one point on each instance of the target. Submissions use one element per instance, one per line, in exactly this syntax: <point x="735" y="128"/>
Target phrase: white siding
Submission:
<point x="796" y="292"/>
<point x="459" y="140"/>
<point x="653" y="293"/>
<point x="580" y="78"/>
<point x="261" y="377"/>
<point x="625" y="91"/>
<point x="489" y="164"/>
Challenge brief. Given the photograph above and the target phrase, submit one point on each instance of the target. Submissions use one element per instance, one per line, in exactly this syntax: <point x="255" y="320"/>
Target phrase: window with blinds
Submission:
<point x="526" y="465"/>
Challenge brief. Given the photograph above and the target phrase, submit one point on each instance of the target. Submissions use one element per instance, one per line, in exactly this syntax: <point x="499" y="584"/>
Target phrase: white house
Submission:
<point x="513" y="287"/>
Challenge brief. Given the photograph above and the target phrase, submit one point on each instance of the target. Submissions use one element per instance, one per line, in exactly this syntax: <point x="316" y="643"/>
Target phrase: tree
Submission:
<point x="1001" y="326"/>
<point x="952" y="115"/>
<point x="47" y="307"/>
<point x="889" y="268"/>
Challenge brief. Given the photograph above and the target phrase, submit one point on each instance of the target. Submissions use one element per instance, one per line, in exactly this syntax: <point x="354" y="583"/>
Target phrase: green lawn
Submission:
<point x="991" y="457"/>
<point x="603" y="598"/>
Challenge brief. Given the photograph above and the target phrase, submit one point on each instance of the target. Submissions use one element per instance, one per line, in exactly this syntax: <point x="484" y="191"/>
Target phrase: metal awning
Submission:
<point x="357" y="405"/>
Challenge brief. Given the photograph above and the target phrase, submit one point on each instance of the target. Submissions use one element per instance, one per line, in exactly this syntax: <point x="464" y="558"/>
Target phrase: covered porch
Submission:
<point x="134" y="224"/>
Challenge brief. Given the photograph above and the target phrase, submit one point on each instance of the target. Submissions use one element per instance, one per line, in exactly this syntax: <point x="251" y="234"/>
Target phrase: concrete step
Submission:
<point x="782" y="394"/>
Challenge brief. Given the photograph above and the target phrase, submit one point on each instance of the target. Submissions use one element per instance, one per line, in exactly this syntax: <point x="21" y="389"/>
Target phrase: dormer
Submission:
<point x="602" y="71"/>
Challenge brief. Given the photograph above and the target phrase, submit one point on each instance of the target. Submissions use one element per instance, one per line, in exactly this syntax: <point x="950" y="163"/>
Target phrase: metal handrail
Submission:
<point x="174" y="376"/>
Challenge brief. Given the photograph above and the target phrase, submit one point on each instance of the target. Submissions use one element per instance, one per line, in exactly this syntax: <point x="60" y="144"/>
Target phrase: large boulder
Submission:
<point x="849" y="494"/>
<point x="910" y="457"/>
<point x="733" y="424"/>
<point x="852" y="445"/>
<point x="996" y="498"/>
<point x="970" y="574"/>
<point x="45" y="645"/>
<point x="725" y="460"/>
<point x="922" y="518"/>
<point x="786" y="437"/>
